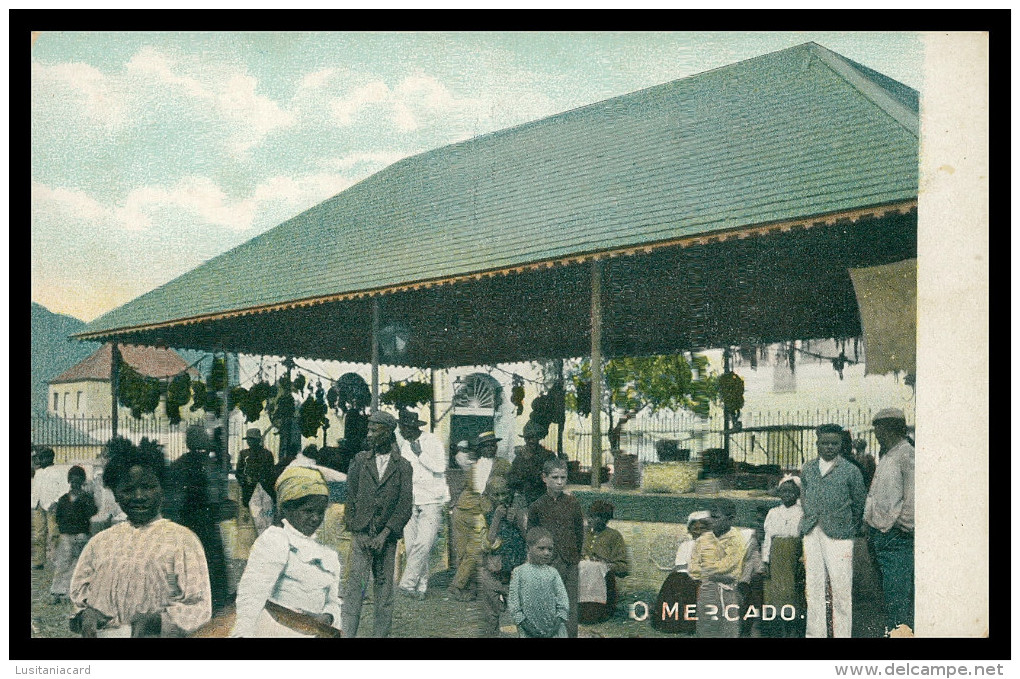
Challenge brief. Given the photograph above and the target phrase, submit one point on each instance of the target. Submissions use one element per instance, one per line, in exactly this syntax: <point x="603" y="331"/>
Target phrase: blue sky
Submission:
<point x="153" y="152"/>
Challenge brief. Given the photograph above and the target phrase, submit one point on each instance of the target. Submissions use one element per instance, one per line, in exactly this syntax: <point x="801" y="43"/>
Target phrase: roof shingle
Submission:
<point x="148" y="361"/>
<point x="790" y="134"/>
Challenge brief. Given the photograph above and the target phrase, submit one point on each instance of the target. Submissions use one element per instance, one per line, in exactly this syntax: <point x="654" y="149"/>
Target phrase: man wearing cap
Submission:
<point x="889" y="515"/>
<point x="428" y="462"/>
<point x="379" y="503"/>
<point x="469" y="513"/>
<point x="526" y="472"/>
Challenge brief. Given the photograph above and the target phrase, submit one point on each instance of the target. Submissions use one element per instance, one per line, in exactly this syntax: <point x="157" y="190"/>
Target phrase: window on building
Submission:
<point x="66" y="394"/>
<point x="77" y="404"/>
<point x="56" y="401"/>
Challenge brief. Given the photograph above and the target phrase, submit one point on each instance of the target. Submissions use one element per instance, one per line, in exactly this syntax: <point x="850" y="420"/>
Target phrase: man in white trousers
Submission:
<point x="428" y="461"/>
<point x="833" y="501"/>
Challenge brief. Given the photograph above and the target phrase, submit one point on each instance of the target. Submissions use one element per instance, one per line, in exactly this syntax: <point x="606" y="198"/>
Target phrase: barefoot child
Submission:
<point x="537" y="598"/>
<point x="781" y="553"/>
<point x="74" y="509"/>
<point x="560" y="514"/>
<point x="504" y="550"/>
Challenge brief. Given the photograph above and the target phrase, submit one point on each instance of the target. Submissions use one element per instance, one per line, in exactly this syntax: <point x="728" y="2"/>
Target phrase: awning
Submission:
<point x="887" y="297"/>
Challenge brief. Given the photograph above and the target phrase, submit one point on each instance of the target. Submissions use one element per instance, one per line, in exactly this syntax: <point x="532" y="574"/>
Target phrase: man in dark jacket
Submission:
<point x="192" y="502"/>
<point x="833" y="501"/>
<point x="379" y="502"/>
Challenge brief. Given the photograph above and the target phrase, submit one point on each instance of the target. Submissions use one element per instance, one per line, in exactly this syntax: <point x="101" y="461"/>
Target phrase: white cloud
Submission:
<point x="415" y="102"/>
<point x="219" y="100"/>
<point x="78" y="92"/>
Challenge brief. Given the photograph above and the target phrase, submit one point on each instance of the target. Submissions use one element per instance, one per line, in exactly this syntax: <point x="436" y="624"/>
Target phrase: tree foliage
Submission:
<point x="632" y="384"/>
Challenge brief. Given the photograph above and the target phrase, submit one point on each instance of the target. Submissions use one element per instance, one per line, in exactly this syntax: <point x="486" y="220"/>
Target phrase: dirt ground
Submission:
<point x="439" y="615"/>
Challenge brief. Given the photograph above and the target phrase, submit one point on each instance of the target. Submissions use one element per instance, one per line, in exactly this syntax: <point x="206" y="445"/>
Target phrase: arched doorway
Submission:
<point x="475" y="401"/>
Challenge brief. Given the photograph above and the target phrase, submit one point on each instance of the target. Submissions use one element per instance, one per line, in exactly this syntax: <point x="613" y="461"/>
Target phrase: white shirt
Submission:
<point x="683" y="555"/>
<point x="380" y="463"/>
<point x="48" y="485"/>
<point x="483" y="467"/>
<point x="428" y="479"/>
<point x="781" y="522"/>
<point x="890" y="500"/>
<point x="824" y="466"/>
<point x="291" y="569"/>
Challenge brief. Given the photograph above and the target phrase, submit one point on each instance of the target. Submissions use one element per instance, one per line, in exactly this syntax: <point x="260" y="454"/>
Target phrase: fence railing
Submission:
<point x="785" y="438"/>
<point x="82" y="438"/>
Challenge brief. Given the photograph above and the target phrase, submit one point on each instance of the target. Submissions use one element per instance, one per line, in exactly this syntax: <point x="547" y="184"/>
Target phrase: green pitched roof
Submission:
<point x="795" y="133"/>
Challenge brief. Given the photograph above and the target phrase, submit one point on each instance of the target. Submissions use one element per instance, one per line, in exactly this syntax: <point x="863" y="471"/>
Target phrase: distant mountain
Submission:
<point x="52" y="351"/>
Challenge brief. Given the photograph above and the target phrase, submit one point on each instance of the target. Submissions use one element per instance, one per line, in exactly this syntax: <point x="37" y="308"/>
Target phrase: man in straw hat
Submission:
<point x="428" y="461"/>
<point x="254" y="466"/>
<point x="889" y="515"/>
<point x="379" y="503"/>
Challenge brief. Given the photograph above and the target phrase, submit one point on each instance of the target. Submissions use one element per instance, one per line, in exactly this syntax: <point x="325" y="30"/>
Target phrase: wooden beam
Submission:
<point x="596" y="373"/>
<point x="114" y="386"/>
<point x="375" y="353"/>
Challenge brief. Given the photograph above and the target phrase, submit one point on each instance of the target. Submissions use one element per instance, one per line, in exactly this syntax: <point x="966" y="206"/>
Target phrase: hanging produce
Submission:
<point x="198" y="392"/>
<point x="350" y="392"/>
<point x="517" y="393"/>
<point x="583" y="397"/>
<point x="407" y="394"/>
<point x="313" y="416"/>
<point x="217" y="380"/>
<point x="137" y="392"/>
<point x="178" y="393"/>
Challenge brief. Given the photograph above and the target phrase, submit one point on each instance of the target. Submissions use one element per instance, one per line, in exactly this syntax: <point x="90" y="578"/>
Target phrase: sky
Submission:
<point x="154" y="152"/>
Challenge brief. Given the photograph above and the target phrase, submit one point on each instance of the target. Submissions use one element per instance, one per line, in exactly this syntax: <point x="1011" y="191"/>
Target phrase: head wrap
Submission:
<point x="703" y="515"/>
<point x="297" y="482"/>
<point x="789" y="477"/>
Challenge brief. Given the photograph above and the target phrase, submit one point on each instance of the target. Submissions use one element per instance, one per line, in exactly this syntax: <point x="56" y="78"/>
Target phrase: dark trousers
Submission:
<point x="492" y="590"/>
<point x="381" y="566"/>
<point x="207" y="528"/>
<point x="894" y="552"/>
<point x="571" y="577"/>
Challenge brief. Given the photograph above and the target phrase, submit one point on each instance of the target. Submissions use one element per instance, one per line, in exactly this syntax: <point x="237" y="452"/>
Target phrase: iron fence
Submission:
<point x="782" y="437"/>
<point x="81" y="439"/>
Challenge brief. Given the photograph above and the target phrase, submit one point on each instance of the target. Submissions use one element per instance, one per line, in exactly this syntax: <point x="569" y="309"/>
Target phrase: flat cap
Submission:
<point x="382" y="417"/>
<point x="889" y="414"/>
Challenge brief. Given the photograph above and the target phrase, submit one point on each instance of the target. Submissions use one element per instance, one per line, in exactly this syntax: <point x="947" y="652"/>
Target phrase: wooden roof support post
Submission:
<point x="375" y="353"/>
<point x="114" y="386"/>
<point x="432" y="403"/>
<point x="596" y="373"/>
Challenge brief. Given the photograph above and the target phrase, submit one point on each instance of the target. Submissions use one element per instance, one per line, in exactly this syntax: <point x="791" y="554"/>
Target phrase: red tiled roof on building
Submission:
<point x="148" y="361"/>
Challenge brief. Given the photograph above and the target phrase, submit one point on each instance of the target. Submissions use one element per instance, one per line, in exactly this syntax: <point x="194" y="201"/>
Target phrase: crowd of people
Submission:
<point x="139" y="552"/>
<point x="841" y="517"/>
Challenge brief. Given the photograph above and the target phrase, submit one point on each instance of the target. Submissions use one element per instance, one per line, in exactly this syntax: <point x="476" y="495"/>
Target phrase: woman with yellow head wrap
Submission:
<point x="287" y="566"/>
